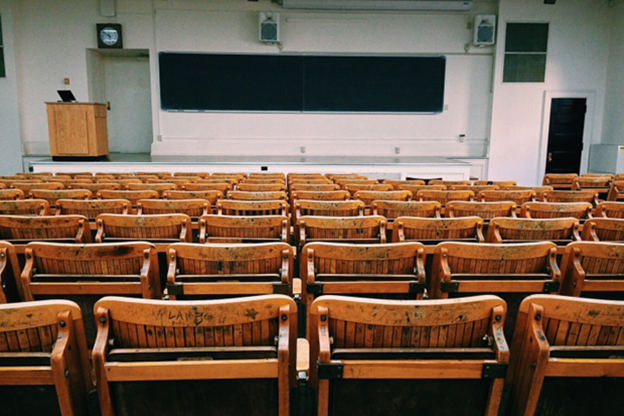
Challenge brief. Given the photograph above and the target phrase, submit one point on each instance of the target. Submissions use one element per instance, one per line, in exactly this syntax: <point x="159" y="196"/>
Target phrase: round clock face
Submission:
<point x="109" y="36"/>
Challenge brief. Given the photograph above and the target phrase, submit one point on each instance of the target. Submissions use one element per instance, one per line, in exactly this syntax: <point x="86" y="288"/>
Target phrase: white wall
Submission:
<point x="613" y="131"/>
<point x="576" y="61"/>
<point x="10" y="145"/>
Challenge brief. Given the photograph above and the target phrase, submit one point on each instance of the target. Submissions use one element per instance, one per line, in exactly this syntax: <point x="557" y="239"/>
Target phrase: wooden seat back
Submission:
<point x="393" y="209"/>
<point x="66" y="228"/>
<point x="158" y="187"/>
<point x="485" y="210"/>
<point x="299" y="186"/>
<point x="201" y="270"/>
<point x="343" y="182"/>
<point x="25" y="207"/>
<point x="608" y="210"/>
<point x="94" y="187"/>
<point x="27" y="187"/>
<point x="10" y="285"/>
<point x="11" y="194"/>
<point x="536" y="189"/>
<point x="122" y="182"/>
<point x="355" y="269"/>
<point x="353" y="188"/>
<point x="267" y="175"/>
<point x="162" y="175"/>
<point x="44" y="346"/>
<point x="519" y="197"/>
<point x="53" y="195"/>
<point x="223" y="187"/>
<point x="474" y="188"/>
<point x="567" y="348"/>
<point x="249" y="208"/>
<point x="260" y="187"/>
<point x="367" y="229"/>
<point x="603" y="229"/>
<point x="240" y="229"/>
<point x="590" y="196"/>
<point x="396" y="183"/>
<point x="202" y="175"/>
<point x="560" y="230"/>
<point x="616" y="191"/>
<point x="328" y="208"/>
<point x="448" y="183"/>
<point x="153" y="228"/>
<point x="559" y="181"/>
<point x="580" y="210"/>
<point x="444" y="196"/>
<point x="412" y="351"/>
<point x="75" y="181"/>
<point x="320" y="195"/>
<point x="257" y="196"/>
<point x="194" y="208"/>
<point x="414" y="189"/>
<point x="497" y="183"/>
<point x="369" y="196"/>
<point x="178" y="181"/>
<point x="131" y="195"/>
<point x="210" y="196"/>
<point x="93" y="207"/>
<point x="212" y="349"/>
<point x="590" y="267"/>
<point x="435" y="230"/>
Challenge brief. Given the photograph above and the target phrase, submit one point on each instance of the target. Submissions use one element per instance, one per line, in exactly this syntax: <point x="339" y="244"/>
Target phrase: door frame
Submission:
<point x="588" y="139"/>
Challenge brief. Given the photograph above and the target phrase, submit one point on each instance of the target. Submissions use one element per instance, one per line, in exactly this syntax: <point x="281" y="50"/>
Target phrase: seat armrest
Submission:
<point x="303" y="359"/>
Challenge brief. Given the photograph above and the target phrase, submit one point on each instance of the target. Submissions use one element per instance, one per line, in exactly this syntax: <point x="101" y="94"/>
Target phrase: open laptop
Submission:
<point x="66" y="96"/>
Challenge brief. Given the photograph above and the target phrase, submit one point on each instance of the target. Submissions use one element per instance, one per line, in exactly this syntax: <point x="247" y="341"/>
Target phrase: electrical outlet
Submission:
<point x="303" y="149"/>
<point x="397" y="150"/>
<point x="462" y="138"/>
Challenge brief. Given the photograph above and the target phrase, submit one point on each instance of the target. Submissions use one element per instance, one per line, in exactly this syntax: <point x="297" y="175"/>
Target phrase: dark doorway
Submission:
<point x="565" y="137"/>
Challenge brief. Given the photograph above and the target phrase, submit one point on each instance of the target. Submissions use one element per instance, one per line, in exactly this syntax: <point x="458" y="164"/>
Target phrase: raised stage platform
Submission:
<point x="386" y="167"/>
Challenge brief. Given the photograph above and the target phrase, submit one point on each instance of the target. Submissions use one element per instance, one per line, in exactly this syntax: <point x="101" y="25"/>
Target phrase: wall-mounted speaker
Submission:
<point x="484" y="30"/>
<point x="269" y="27"/>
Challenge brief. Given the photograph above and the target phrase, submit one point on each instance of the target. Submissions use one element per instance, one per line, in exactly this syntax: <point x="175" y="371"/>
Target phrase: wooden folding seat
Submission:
<point x="537" y="189"/>
<point x="344" y="182"/>
<point x="416" y="188"/>
<point x="221" y="357"/>
<point x="83" y="176"/>
<point x="299" y="186"/>
<point x="396" y="183"/>
<point x="559" y="181"/>
<point x="580" y="210"/>
<point x="448" y="183"/>
<point x="94" y="187"/>
<point x="260" y="187"/>
<point x="616" y="191"/>
<point x="599" y="184"/>
<point x="511" y="271"/>
<point x="2" y="186"/>
<point x="27" y="187"/>
<point x="593" y="269"/>
<point x="267" y="175"/>
<point x="223" y="187"/>
<point x="7" y="182"/>
<point x="219" y="180"/>
<point x="33" y="174"/>
<point x="132" y="196"/>
<point x="53" y="195"/>
<point x="363" y="230"/>
<point x="394" y="209"/>
<point x="511" y="230"/>
<point x="104" y="175"/>
<point x="165" y="175"/>
<point x="10" y="285"/>
<point x="249" y="208"/>
<point x="157" y="228"/>
<point x="353" y="188"/>
<point x="210" y="196"/>
<point x="328" y="208"/>
<point x="320" y="195"/>
<point x="567" y="357"/>
<point x="485" y="210"/>
<point x="310" y="175"/>
<point x="335" y="176"/>
<point x="619" y="177"/>
<point x="232" y="175"/>
<point x="84" y="273"/>
<point x="519" y="197"/>
<point x="264" y="181"/>
<point x="44" y="361"/>
<point x="603" y="229"/>
<point x="199" y="271"/>
<point x="122" y="182"/>
<point x="143" y="178"/>
<point x="499" y="183"/>
<point x="434" y="230"/>
<point x="158" y="187"/>
<point x="30" y="207"/>
<point x="570" y="196"/>
<point x="443" y="197"/>
<point x="243" y="229"/>
<point x="369" y="196"/>
<point x="11" y="194"/>
<point x="198" y="174"/>
<point x="179" y="182"/>
<point x="75" y="174"/>
<point x="257" y="196"/>
<point x="93" y="207"/>
<point x="67" y="182"/>
<point x="379" y="357"/>
<point x="597" y="175"/>
<point x="67" y="228"/>
<point x="355" y="269"/>
<point x="474" y="188"/>
<point x="605" y="209"/>
<point x="194" y="208"/>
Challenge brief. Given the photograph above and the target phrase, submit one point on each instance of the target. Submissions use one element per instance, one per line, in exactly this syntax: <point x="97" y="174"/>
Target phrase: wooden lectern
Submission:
<point x="77" y="131"/>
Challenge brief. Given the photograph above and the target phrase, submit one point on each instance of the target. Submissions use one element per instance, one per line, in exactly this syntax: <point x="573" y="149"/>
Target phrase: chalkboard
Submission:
<point x="301" y="83"/>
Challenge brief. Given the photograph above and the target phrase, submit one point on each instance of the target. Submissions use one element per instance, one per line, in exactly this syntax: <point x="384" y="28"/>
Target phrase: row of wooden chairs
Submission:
<point x="368" y="354"/>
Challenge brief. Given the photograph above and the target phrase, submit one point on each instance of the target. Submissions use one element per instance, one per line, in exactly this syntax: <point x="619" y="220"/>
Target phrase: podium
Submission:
<point x="77" y="131"/>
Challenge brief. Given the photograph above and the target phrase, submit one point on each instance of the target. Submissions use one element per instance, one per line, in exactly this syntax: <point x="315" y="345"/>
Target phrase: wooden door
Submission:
<point x="565" y="136"/>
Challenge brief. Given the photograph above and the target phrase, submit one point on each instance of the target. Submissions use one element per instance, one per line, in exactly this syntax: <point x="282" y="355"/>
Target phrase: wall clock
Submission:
<point x="109" y="36"/>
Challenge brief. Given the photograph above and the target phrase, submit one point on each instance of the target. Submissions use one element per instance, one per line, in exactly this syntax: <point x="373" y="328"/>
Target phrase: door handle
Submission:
<point x="549" y="157"/>
<point x="108" y="105"/>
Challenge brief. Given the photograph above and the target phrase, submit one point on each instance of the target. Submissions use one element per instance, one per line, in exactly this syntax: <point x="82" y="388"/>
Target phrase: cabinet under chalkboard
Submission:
<point x="301" y="83"/>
